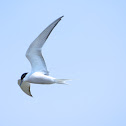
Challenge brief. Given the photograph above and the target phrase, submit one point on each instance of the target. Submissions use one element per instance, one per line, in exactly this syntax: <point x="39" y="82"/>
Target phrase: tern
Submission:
<point x="39" y="73"/>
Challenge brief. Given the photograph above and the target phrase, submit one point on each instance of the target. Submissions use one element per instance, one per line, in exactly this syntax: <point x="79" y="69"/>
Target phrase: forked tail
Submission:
<point x="61" y="81"/>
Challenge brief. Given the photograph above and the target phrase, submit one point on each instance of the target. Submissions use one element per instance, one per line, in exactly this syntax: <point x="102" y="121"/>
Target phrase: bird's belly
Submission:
<point x="40" y="78"/>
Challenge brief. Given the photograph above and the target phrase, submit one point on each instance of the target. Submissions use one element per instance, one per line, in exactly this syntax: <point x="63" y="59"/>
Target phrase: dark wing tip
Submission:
<point x="62" y="16"/>
<point x="30" y="92"/>
<point x="30" y="95"/>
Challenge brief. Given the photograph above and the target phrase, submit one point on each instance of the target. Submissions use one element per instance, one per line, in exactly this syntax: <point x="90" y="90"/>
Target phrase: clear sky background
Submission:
<point x="88" y="46"/>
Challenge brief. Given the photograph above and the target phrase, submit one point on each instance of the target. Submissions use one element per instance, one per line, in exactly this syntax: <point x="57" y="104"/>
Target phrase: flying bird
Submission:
<point x="39" y="73"/>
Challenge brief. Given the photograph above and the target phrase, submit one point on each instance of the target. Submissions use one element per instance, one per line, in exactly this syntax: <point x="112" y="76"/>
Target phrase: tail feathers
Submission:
<point x="61" y="81"/>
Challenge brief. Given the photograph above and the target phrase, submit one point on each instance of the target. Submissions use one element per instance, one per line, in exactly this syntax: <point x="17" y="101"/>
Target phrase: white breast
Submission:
<point x="40" y="78"/>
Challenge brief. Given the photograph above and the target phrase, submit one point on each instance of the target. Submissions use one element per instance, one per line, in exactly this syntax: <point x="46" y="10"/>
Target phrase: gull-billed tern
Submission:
<point x="39" y="73"/>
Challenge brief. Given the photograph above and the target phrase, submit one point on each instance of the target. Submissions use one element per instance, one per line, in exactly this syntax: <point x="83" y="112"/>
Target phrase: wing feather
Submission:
<point x="25" y="86"/>
<point x="34" y="54"/>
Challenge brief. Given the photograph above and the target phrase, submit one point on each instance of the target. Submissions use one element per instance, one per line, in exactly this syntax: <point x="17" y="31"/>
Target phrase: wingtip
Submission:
<point x="30" y="92"/>
<point x="31" y="96"/>
<point x="61" y="17"/>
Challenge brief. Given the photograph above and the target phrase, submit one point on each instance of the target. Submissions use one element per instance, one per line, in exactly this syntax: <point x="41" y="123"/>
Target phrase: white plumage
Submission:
<point x="39" y="73"/>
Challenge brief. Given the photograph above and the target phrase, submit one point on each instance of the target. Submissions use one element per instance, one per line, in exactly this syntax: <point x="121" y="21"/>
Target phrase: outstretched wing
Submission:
<point x="25" y="86"/>
<point x="34" y="54"/>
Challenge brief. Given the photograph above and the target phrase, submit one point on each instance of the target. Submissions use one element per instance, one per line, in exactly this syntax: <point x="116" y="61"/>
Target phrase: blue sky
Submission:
<point x="88" y="46"/>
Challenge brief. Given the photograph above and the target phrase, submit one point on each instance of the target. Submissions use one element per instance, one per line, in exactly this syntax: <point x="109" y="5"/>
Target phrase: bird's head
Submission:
<point x="22" y="77"/>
